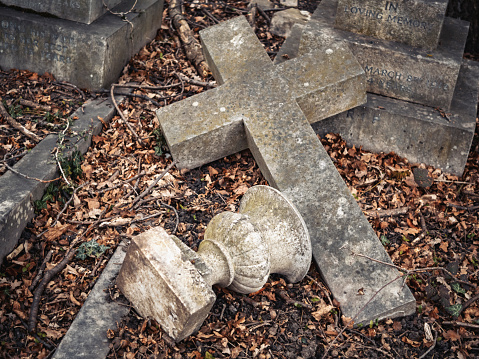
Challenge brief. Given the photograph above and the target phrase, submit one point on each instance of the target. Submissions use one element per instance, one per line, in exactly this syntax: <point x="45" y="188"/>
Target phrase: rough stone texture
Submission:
<point x="42" y="44"/>
<point x="289" y="3"/>
<point x="263" y="4"/>
<point x="415" y="23"/>
<point x="84" y="11"/>
<point x="86" y="338"/>
<point x="167" y="281"/>
<point x="257" y="107"/>
<point x="419" y="133"/>
<point x="162" y="283"/>
<point x="393" y="69"/>
<point x="17" y="193"/>
<point x="282" y="21"/>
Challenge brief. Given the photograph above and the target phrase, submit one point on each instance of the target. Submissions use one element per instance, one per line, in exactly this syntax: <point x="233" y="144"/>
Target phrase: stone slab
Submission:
<point x="17" y="193"/>
<point x="84" y="11"/>
<point x="419" y="133"/>
<point x="87" y="336"/>
<point x="257" y="107"/>
<point x="283" y="21"/>
<point x="416" y="23"/>
<point x="392" y="69"/>
<point x="89" y="56"/>
<point x="162" y="282"/>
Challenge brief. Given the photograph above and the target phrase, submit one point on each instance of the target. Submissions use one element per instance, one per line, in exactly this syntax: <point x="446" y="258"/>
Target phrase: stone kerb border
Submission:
<point x="17" y="193"/>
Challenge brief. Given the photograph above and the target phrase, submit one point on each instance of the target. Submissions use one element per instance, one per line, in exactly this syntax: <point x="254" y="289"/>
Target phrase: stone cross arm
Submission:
<point x="267" y="109"/>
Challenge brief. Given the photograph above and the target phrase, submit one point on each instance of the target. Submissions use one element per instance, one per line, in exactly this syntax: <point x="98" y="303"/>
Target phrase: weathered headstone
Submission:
<point x="85" y="11"/>
<point x="266" y="108"/>
<point x="164" y="279"/>
<point x="438" y="126"/>
<point x="416" y="23"/>
<point x="89" y="56"/>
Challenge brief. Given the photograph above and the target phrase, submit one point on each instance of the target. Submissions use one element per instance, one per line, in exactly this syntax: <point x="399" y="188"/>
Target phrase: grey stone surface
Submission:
<point x="87" y="336"/>
<point x="84" y="11"/>
<point x="159" y="279"/>
<point x="289" y="3"/>
<point x="17" y="193"/>
<point x="419" y="133"/>
<point x="256" y="106"/>
<point x="89" y="56"/>
<point x="263" y="4"/>
<point x="165" y="280"/>
<point x="415" y="23"/>
<point x="392" y="69"/>
<point x="283" y="21"/>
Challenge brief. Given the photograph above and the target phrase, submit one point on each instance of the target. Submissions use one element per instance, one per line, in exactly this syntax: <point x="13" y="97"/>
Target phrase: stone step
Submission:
<point x="415" y="23"/>
<point x="392" y="69"/>
<point x="419" y="133"/>
<point x="84" y="11"/>
<point x="89" y="56"/>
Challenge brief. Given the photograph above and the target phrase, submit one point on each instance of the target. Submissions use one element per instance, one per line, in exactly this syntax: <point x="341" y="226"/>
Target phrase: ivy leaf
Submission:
<point x="457" y="288"/>
<point x="455" y="310"/>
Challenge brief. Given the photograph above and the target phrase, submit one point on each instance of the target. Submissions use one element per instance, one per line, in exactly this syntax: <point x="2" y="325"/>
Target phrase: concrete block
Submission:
<point x="84" y="11"/>
<point x="392" y="69"/>
<point x="89" y="56"/>
<point x="415" y="23"/>
<point x="419" y="133"/>
<point x="257" y="106"/>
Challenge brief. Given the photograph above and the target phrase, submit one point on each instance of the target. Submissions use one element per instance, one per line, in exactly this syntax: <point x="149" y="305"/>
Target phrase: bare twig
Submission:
<point x="28" y="103"/>
<point x="40" y="271"/>
<point x="431" y="348"/>
<point x="121" y="114"/>
<point x="288" y="300"/>
<point x="122" y="183"/>
<point x="174" y="210"/>
<point x="196" y="82"/>
<point x="67" y="84"/>
<point x="28" y="177"/>
<point x="148" y="190"/>
<point x="190" y="43"/>
<point x="56" y="154"/>
<point x="461" y="324"/>
<point x="387" y="212"/>
<point x="68" y="202"/>
<point x="16" y="124"/>
<point x="32" y="320"/>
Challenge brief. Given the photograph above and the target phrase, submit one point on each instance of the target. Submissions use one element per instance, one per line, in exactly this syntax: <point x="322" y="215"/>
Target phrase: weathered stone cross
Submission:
<point x="266" y="108"/>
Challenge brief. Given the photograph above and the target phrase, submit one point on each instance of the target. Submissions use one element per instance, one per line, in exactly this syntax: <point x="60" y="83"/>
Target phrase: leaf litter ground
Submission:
<point x="424" y="218"/>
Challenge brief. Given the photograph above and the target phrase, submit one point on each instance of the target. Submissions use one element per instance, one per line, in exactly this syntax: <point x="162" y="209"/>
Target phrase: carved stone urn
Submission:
<point x="166" y="280"/>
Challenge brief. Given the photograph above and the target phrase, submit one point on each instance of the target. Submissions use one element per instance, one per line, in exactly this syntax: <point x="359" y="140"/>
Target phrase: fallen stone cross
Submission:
<point x="166" y="280"/>
<point x="266" y="108"/>
<point x="422" y="96"/>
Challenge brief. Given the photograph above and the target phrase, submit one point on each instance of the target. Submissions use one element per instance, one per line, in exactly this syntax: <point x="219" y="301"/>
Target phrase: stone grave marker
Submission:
<point x="415" y="23"/>
<point x="164" y="279"/>
<point x="422" y="104"/>
<point x="266" y="108"/>
<point x="91" y="55"/>
<point x="84" y="11"/>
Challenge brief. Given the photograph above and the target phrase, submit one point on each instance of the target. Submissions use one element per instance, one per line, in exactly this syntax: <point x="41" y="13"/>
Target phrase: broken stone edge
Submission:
<point x="17" y="194"/>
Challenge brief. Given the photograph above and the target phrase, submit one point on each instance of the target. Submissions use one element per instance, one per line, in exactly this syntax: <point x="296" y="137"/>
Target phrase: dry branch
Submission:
<point x="16" y="124"/>
<point x="191" y="45"/>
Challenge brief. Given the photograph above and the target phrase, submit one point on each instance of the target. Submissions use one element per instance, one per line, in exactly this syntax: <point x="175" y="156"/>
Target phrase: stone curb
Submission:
<point x="17" y="194"/>
<point x="87" y="336"/>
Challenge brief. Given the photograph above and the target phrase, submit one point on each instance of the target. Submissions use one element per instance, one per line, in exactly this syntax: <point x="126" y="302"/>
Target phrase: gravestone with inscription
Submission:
<point x="266" y="108"/>
<point x="78" y="41"/>
<point x="423" y="95"/>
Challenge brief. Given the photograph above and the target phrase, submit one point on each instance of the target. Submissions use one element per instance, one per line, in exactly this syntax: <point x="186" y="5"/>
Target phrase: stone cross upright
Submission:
<point x="266" y="108"/>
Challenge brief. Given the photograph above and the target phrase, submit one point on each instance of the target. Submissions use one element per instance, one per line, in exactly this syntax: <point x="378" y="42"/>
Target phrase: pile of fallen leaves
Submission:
<point x="425" y="219"/>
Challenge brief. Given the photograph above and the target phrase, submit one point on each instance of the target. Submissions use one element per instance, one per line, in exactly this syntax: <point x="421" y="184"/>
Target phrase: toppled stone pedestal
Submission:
<point x="165" y="280"/>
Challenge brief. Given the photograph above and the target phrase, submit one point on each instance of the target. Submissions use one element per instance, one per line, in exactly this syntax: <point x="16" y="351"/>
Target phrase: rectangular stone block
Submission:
<point x="392" y="69"/>
<point x="89" y="56"/>
<point x="165" y="284"/>
<point x="85" y="11"/>
<point x="419" y="133"/>
<point x="416" y="23"/>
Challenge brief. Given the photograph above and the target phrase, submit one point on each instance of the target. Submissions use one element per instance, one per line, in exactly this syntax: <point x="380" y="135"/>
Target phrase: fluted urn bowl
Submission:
<point x="268" y="235"/>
